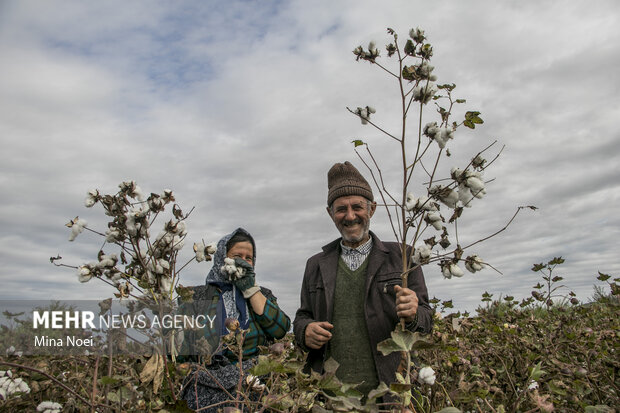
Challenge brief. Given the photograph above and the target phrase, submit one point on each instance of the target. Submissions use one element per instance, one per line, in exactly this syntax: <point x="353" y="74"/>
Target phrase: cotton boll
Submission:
<point x="431" y="129"/>
<point x="474" y="263"/>
<point x="445" y="270"/>
<point x="211" y="248"/>
<point x="106" y="261"/>
<point x="84" y="274"/>
<point x="426" y="204"/>
<point x="181" y="228"/>
<point x="465" y="195"/>
<point x="447" y="133"/>
<point x="231" y="270"/>
<point x="177" y="243"/>
<point x="49" y="407"/>
<point x="440" y="142"/>
<point x="422" y="254"/>
<point x="137" y="194"/>
<point x="91" y="198"/>
<point x="426" y="375"/>
<point x="410" y="203"/>
<point x="112" y="235"/>
<point x="480" y="194"/>
<point x="199" y="250"/>
<point x="475" y="183"/>
<point x="456" y="271"/>
<point x="165" y="284"/>
<point x="434" y="219"/>
<point x="364" y="115"/>
<point x="455" y="172"/>
<point x="77" y="226"/>
<point x="478" y="161"/>
<point x="450" y="198"/>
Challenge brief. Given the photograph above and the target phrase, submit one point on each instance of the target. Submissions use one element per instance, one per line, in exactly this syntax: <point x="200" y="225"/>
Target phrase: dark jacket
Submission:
<point x="384" y="270"/>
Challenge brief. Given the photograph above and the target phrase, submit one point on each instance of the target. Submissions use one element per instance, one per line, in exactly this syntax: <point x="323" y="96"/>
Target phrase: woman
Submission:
<point x="231" y="293"/>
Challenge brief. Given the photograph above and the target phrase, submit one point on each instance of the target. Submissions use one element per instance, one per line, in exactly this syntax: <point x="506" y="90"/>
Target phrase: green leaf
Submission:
<point x="599" y="408"/>
<point x="469" y="124"/>
<point x="388" y="346"/>
<point x="409" y="48"/>
<point x="556" y="261"/>
<point x="330" y="366"/>
<point x="537" y="372"/>
<point x="461" y="101"/>
<point x="105" y="380"/>
<point x="378" y="392"/>
<point x="405" y="339"/>
<point x="265" y="365"/>
<point x="113" y="397"/>
<point x="357" y="142"/>
<point x="400" y="387"/>
<point x="538" y="267"/>
<point x="603" y="277"/>
<point x="556" y="389"/>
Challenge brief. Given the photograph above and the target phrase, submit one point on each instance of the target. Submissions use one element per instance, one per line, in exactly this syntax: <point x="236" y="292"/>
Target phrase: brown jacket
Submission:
<point x="384" y="269"/>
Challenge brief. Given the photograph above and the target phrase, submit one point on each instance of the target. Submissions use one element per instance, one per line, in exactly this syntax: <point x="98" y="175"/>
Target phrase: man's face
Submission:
<point x="352" y="214"/>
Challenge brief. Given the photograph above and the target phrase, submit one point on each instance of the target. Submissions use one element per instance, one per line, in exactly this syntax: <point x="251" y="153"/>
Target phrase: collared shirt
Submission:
<point x="354" y="257"/>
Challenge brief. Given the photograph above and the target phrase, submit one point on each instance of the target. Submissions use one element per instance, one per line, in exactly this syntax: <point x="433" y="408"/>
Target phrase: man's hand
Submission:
<point x="317" y="334"/>
<point x="406" y="303"/>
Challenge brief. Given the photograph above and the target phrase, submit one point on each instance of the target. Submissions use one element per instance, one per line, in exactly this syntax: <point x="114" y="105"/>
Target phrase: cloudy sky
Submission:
<point x="239" y="107"/>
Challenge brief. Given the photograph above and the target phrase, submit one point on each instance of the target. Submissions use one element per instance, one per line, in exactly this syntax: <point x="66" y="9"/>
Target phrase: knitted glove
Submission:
<point x="246" y="284"/>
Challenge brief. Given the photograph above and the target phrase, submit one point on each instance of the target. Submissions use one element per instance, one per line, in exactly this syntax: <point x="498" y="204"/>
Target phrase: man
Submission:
<point x="351" y="296"/>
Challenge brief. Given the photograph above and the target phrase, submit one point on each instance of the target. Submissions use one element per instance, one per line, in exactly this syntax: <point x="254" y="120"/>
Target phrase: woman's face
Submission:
<point x="243" y="250"/>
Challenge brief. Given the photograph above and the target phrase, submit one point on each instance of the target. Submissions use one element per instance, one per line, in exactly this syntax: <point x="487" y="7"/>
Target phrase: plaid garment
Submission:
<point x="263" y="329"/>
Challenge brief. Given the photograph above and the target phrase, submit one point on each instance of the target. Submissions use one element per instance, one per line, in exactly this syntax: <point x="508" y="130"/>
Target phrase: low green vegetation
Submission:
<point x="509" y="357"/>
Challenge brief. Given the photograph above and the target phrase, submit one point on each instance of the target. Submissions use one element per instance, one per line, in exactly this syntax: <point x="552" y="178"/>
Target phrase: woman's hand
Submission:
<point x="246" y="284"/>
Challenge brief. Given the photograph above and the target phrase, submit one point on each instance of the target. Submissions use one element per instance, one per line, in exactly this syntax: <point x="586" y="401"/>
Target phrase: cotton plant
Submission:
<point x="135" y="258"/>
<point x="424" y="218"/>
<point x="141" y="248"/>
<point x="432" y="191"/>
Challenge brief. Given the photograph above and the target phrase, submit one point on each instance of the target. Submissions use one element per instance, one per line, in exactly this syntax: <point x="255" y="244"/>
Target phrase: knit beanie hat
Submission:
<point x="343" y="179"/>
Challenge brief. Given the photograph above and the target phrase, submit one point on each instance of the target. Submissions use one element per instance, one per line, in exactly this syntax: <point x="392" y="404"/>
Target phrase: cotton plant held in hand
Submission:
<point x="425" y="224"/>
<point x="233" y="271"/>
<point x="432" y="192"/>
<point x="241" y="273"/>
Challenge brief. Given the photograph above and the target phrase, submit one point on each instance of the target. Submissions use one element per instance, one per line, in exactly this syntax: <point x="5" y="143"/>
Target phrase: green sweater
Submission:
<point x="350" y="343"/>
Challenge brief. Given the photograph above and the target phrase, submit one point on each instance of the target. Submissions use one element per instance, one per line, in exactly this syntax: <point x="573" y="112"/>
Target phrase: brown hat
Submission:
<point x="344" y="180"/>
